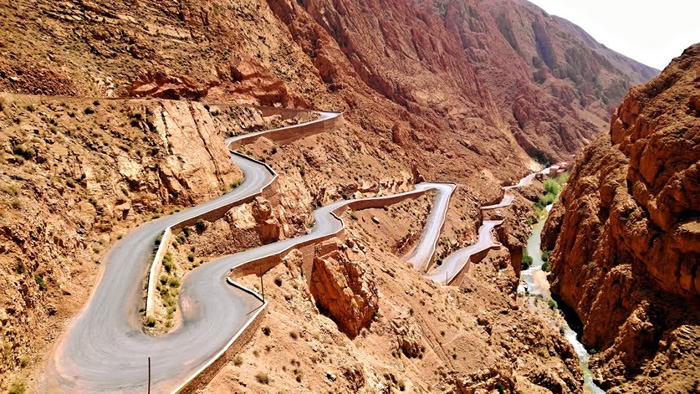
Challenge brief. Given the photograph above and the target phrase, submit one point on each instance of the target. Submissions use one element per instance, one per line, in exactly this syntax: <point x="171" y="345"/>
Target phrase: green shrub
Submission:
<point x="174" y="283"/>
<point x="39" y="279"/>
<point x="150" y="322"/>
<point x="545" y="255"/>
<point x="201" y="225"/>
<point x="546" y="266"/>
<point x="168" y="262"/>
<point x="552" y="304"/>
<point x="527" y="260"/>
<point x="551" y="187"/>
<point x="17" y="388"/>
<point x="311" y="223"/>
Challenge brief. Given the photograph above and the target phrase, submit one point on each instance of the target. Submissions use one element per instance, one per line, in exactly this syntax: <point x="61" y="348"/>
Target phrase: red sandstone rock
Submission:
<point x="627" y="254"/>
<point x="345" y="290"/>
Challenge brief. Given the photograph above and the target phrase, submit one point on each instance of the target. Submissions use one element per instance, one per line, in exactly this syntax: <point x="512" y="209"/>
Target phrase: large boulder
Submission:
<point x="345" y="290"/>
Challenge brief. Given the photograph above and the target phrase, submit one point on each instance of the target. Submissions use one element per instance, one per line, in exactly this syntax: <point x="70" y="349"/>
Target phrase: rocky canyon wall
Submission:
<point x="627" y="234"/>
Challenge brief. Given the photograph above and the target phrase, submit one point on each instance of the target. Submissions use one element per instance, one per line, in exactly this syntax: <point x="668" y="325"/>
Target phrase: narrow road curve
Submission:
<point x="105" y="348"/>
<point x="455" y="262"/>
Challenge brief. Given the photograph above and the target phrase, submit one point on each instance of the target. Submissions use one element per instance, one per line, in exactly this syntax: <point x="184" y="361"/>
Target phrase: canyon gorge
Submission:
<point x="114" y="116"/>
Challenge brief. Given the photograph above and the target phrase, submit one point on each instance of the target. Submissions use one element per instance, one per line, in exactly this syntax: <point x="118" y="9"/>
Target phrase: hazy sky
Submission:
<point x="650" y="31"/>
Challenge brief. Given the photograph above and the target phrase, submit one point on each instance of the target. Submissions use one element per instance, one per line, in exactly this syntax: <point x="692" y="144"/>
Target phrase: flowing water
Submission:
<point x="534" y="281"/>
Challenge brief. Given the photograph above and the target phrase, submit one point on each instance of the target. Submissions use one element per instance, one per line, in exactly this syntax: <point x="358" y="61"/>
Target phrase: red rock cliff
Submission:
<point x="628" y="250"/>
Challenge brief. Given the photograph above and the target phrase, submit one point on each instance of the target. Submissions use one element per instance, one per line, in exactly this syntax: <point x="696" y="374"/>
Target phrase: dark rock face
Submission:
<point x="628" y="247"/>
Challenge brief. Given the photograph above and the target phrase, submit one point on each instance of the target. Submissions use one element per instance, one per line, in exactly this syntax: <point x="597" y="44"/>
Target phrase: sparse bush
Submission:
<point x="30" y="107"/>
<point x="278" y="281"/>
<point x="10" y="190"/>
<point x="266" y="330"/>
<point x="89" y="111"/>
<point x="39" y="279"/>
<point x="17" y="388"/>
<point x="25" y="152"/>
<point x="201" y="225"/>
<point x="236" y="183"/>
<point x="190" y="258"/>
<point x="238" y="361"/>
<point x="150" y="322"/>
<point x="552" y="304"/>
<point x="527" y="260"/>
<point x="159" y="239"/>
<point x="353" y="215"/>
<point x="174" y="283"/>
<point x="262" y="378"/>
<point x="163" y="279"/>
<point x="168" y="262"/>
<point x="294" y="335"/>
<point x="125" y="191"/>
<point x="311" y="223"/>
<point x="16" y="204"/>
<point x="546" y="266"/>
<point x="402" y="385"/>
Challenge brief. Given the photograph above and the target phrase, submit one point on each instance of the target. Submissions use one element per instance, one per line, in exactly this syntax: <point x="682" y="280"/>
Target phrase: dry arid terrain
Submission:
<point x="626" y="237"/>
<point x="114" y="113"/>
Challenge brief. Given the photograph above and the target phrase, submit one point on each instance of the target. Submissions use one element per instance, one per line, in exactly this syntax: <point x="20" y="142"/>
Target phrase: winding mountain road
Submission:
<point x="105" y="348"/>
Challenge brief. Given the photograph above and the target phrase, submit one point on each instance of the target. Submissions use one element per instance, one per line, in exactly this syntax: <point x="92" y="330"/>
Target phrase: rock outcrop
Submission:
<point x="345" y="290"/>
<point x="627" y="253"/>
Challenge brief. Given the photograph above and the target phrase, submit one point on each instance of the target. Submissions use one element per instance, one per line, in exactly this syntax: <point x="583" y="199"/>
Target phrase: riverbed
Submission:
<point x="534" y="281"/>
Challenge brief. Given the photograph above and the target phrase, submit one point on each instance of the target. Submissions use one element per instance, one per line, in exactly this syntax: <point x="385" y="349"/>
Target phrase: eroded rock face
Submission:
<point x="345" y="290"/>
<point x="409" y="338"/>
<point x="268" y="227"/>
<point x="628" y="248"/>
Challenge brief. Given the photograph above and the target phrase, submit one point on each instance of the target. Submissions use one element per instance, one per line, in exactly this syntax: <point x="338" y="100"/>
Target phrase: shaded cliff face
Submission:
<point x="488" y="82"/>
<point x="628" y="246"/>
<point x="556" y="86"/>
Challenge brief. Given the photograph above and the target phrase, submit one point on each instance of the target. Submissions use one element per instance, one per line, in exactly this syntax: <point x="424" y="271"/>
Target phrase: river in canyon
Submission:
<point x="534" y="281"/>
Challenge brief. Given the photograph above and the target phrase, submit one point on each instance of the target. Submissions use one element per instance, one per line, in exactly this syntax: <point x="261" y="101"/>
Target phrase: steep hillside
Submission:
<point x="114" y="113"/>
<point x="638" y="72"/>
<point x="627" y="236"/>
<point x="555" y="90"/>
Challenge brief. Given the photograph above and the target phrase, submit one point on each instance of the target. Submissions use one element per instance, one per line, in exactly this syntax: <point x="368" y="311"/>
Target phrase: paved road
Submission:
<point x="105" y="348"/>
<point x="422" y="254"/>
<point x="455" y="262"/>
